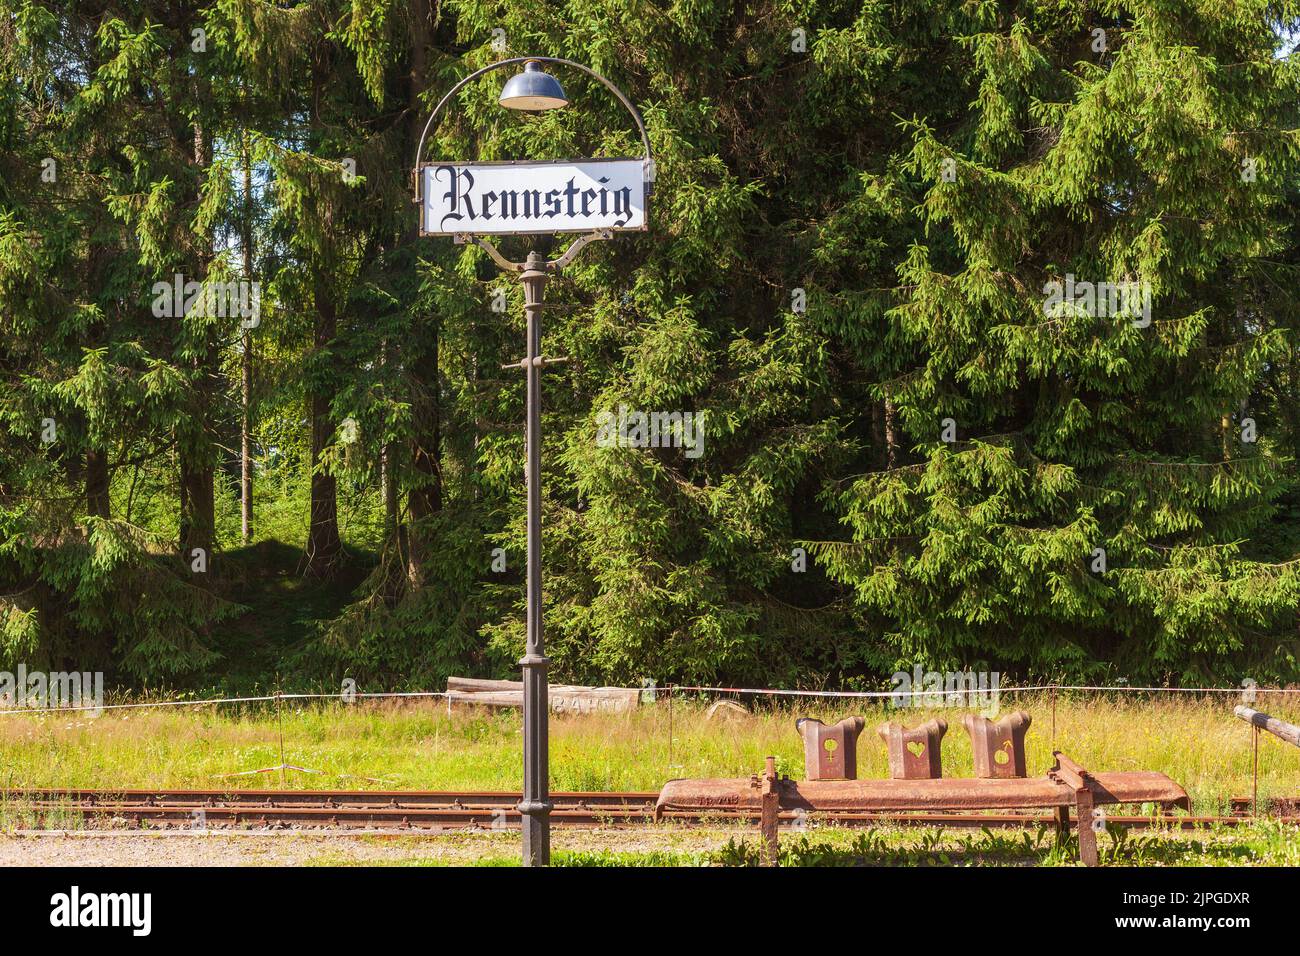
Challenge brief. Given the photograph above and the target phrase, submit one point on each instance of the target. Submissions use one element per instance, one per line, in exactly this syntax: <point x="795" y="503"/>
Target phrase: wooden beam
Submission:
<point x="564" y="698"/>
<point x="769" y="846"/>
<point x="1278" y="728"/>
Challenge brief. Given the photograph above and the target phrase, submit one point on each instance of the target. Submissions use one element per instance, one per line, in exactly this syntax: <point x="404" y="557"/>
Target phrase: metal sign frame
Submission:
<point x="646" y="185"/>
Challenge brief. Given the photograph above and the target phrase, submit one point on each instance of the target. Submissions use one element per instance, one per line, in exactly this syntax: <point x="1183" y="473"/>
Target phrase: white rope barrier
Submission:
<point x="944" y="692"/>
<point x="345" y="698"/>
<point x="967" y="690"/>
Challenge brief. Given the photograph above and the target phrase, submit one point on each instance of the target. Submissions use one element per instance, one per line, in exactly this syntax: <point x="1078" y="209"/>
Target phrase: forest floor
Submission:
<point x="283" y="611"/>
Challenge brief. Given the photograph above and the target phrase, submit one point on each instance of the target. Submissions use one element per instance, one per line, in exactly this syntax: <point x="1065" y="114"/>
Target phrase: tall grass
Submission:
<point x="419" y="745"/>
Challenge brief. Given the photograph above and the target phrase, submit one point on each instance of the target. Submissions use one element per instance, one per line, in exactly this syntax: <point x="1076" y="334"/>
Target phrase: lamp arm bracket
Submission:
<point x="555" y="265"/>
<point x="501" y="261"/>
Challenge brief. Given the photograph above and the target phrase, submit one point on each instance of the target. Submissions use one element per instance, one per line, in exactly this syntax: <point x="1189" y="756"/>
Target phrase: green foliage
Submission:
<point x="921" y="174"/>
<point x="1268" y="843"/>
<point x="655" y="858"/>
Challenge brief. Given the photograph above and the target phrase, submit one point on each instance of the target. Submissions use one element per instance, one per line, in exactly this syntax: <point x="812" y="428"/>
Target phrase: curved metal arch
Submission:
<point x="636" y="116"/>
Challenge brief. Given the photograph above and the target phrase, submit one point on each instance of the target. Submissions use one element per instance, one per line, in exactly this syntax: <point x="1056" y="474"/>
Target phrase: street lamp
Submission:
<point x="533" y="90"/>
<point x="594" y="198"/>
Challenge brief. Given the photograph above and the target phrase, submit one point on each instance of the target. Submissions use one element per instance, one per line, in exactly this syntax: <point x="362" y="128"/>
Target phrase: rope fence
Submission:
<point x="967" y="690"/>
<point x="345" y="697"/>
<point x="935" y="698"/>
<point x="963" y="692"/>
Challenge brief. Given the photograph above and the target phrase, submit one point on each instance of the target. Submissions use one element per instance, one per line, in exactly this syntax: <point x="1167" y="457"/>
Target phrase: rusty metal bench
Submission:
<point x="1066" y="785"/>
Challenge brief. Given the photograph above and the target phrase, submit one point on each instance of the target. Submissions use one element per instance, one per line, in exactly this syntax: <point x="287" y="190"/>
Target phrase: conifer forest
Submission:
<point x="962" y="334"/>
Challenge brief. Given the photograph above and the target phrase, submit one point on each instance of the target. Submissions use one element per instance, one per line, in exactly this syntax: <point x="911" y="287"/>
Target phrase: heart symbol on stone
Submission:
<point x="916" y="747"/>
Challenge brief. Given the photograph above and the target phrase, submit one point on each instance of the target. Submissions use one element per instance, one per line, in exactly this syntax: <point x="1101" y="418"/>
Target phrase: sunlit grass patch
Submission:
<point x="1262" y="843"/>
<point x="1255" y="843"/>
<point x="420" y="745"/>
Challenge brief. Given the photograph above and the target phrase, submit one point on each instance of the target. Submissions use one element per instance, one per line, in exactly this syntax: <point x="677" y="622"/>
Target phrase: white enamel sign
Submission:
<point x="499" y="199"/>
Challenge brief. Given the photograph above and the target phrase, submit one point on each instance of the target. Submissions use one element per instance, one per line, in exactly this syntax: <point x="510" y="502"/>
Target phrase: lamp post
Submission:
<point x="473" y="211"/>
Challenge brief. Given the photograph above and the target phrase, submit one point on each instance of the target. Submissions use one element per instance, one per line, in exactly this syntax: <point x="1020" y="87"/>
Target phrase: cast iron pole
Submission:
<point x="535" y="807"/>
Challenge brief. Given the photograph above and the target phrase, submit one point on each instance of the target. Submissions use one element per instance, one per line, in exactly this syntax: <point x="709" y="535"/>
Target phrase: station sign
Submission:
<point x="532" y="198"/>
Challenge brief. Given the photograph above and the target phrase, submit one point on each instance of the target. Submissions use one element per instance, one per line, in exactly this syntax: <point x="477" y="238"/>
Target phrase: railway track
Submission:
<point x="440" y="810"/>
<point x="405" y="809"/>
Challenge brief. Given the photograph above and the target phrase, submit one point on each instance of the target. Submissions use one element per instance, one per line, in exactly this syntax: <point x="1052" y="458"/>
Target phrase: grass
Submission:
<point x="419" y="745"/>
<point x="1262" y="843"/>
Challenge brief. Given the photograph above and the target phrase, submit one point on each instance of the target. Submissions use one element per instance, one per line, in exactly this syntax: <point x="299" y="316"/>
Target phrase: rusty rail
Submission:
<point x="1066" y="785"/>
<point x="176" y="810"/>
<point x="325" y="809"/>
<point x="355" y="799"/>
<point x="1070" y="774"/>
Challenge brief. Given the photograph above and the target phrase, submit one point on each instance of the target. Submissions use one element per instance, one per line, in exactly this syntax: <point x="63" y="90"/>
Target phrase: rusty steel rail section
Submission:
<point x="440" y="810"/>
<point x="1273" y="807"/>
<point x="325" y="808"/>
<point x="1066" y="785"/>
<point x="394" y="799"/>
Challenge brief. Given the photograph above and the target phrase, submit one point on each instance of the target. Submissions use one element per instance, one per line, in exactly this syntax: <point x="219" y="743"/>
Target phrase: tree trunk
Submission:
<point x="879" y="455"/>
<point x="97" y="483"/>
<point x="323" y="544"/>
<point x="425" y="496"/>
<point x="94" y="472"/>
<point x="891" y="437"/>
<point x="388" y="483"/>
<point x="426" y="481"/>
<point x="198" y="515"/>
<point x="246" y="370"/>
<point x="387" y="469"/>
<point x="198" y="511"/>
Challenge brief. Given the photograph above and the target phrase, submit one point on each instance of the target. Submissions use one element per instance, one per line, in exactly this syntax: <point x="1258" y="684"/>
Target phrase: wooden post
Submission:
<point x="1278" y="728"/>
<point x="1254" y="773"/>
<point x="1087" y="835"/>
<point x="769" y="848"/>
<point x="1070" y="774"/>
